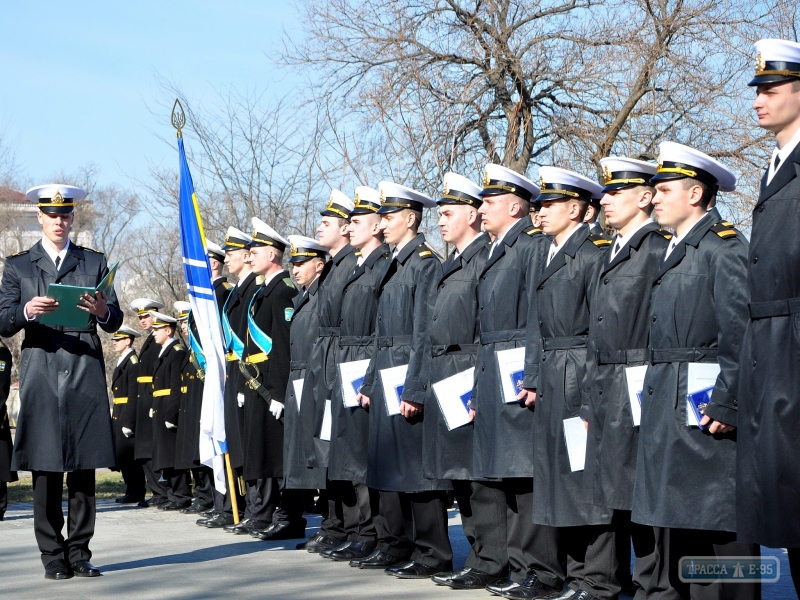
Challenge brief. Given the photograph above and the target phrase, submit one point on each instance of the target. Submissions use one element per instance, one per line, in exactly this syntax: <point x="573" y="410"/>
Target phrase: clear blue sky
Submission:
<point x="77" y="77"/>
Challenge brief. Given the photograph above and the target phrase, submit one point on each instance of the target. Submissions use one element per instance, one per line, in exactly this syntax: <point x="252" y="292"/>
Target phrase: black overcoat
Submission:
<point x="768" y="506"/>
<point x="6" y="444"/>
<point x="502" y="439"/>
<point x="298" y="432"/>
<point x="405" y="298"/>
<point x="187" y="442"/>
<point x="138" y="419"/>
<point x="64" y="423"/>
<point x="262" y="438"/>
<point x="454" y="343"/>
<point x="167" y="384"/>
<point x="350" y="426"/>
<point x="556" y="340"/>
<point x="124" y="387"/>
<point x="620" y="294"/>
<point x="685" y="477"/>
<point x="221" y="290"/>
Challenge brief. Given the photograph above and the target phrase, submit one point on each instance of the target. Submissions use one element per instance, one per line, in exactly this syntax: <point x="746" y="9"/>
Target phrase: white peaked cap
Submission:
<point x="143" y="305"/>
<point x="498" y="179"/>
<point x="457" y="189"/>
<point x="559" y="184"/>
<point x="264" y="235"/>
<point x="676" y="161"/>
<point x="397" y="197"/>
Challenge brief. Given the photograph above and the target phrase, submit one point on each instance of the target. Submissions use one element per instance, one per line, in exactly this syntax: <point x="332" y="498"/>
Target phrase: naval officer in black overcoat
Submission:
<point x="6" y="443"/>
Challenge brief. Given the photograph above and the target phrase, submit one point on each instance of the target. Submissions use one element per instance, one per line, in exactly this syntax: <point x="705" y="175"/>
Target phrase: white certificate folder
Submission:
<point x="393" y="380"/>
<point x="454" y="395"/>
<point x="512" y="372"/>
<point x="351" y="376"/>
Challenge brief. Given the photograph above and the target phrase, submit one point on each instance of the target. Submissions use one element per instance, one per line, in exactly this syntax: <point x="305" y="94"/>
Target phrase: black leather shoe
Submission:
<point x="531" y="588"/>
<point x="57" y="569"/>
<point x="402" y="565"/>
<point x="282" y="531"/>
<point x="217" y="521"/>
<point x="352" y="551"/>
<point x="126" y="499"/>
<point x="172" y="506"/>
<point x="195" y="509"/>
<point x="152" y="502"/>
<point x="570" y="594"/>
<point x="414" y="570"/>
<point x="256" y="532"/>
<point x="469" y="579"/>
<point x="321" y="542"/>
<point x="377" y="560"/>
<point x="240" y="527"/>
<point x="83" y="568"/>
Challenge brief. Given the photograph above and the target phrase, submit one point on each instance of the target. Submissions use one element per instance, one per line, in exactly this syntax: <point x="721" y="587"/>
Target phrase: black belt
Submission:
<point x="451" y="349"/>
<point x="387" y="341"/>
<point x="621" y="357"/>
<point x="774" y="308"/>
<point x="564" y="343"/>
<point x="498" y="337"/>
<point x="673" y="355"/>
<point x="328" y="331"/>
<point x="297" y="365"/>
<point x="356" y="340"/>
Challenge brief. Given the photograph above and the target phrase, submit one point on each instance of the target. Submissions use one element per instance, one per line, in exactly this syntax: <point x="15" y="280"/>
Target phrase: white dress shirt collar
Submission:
<point x="783" y="153"/>
<point x="123" y="356"/>
<point x="555" y="247"/>
<point x="621" y="240"/>
<point x="53" y="253"/>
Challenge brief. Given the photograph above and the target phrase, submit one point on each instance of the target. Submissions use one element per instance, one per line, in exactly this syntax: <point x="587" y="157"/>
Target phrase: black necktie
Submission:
<point x="58" y="262"/>
<point x="777" y="161"/>
<point x="617" y="246"/>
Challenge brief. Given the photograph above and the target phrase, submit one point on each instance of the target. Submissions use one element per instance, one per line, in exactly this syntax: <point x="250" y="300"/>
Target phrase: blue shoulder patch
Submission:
<point x="288" y="313"/>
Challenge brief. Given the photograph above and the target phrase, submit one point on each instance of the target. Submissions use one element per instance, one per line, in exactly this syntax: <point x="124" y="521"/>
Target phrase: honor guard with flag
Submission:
<point x="768" y="499"/>
<point x="502" y="442"/>
<point x="187" y="443"/>
<point x="454" y="340"/>
<point x="137" y="422"/>
<point x="124" y="390"/>
<point x="347" y="467"/>
<point x="555" y="363"/>
<point x="620" y="294"/>
<point x="412" y="524"/>
<point x="6" y="443"/>
<point x="167" y="387"/>
<point x="64" y="424"/>
<point x="686" y="470"/>
<point x="308" y="259"/>
<point x="264" y="368"/>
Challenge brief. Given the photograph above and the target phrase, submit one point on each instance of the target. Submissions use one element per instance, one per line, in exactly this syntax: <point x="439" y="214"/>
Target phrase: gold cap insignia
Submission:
<point x="607" y="173"/>
<point x="357" y="200"/>
<point x="294" y="250"/>
<point x="446" y="187"/>
<point x="542" y="184"/>
<point x="57" y="199"/>
<point x="761" y="64"/>
<point x="486" y="179"/>
<point x="330" y="201"/>
<point x="660" y="161"/>
<point x="383" y="196"/>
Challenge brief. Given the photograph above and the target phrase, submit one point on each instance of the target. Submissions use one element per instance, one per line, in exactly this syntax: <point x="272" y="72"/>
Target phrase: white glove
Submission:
<point x="276" y="408"/>
<point x="151" y="413"/>
<point x="128" y="433"/>
<point x="170" y="426"/>
<point x="240" y="400"/>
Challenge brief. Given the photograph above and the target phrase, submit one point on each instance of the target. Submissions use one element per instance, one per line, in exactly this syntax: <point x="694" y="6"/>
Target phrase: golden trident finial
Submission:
<point x="178" y="117"/>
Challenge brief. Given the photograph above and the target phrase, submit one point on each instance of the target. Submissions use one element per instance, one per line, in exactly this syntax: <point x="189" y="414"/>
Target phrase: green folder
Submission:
<point x="68" y="296"/>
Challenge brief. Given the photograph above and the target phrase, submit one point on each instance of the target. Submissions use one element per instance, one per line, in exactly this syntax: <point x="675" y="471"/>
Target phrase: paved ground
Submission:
<point x="148" y="554"/>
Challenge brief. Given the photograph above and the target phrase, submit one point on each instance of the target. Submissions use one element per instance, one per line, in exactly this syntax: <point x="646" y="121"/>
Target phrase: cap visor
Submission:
<point x="763" y="79"/>
<point x="56" y="210"/>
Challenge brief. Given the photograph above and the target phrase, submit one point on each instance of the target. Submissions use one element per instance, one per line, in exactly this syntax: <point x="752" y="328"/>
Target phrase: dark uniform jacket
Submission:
<point x="350" y="426"/>
<point x="187" y="441"/>
<point x="322" y="363"/>
<point x="221" y="290"/>
<point x="6" y="445"/>
<point x="685" y="477"/>
<point x="64" y="422"/>
<point x="236" y="309"/>
<point x="262" y="438"/>
<point x="454" y="343"/>
<point x="768" y="506"/>
<point x="124" y="387"/>
<point x="556" y="341"/>
<point x="137" y="418"/>
<point x="405" y="298"/>
<point x="299" y="418"/>
<point x="620" y="294"/>
<point x="167" y="384"/>
<point x="502" y="439"/>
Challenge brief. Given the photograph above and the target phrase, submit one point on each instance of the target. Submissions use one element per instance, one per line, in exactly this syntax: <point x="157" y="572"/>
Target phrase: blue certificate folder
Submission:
<point x="357" y="385"/>
<point x="517" y="379"/>
<point x="466" y="399"/>
<point x="698" y="402"/>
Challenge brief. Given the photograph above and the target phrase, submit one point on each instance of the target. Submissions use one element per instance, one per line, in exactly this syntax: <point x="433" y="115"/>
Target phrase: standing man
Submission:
<point x="768" y="502"/>
<point x="6" y="444"/>
<point x="412" y="524"/>
<point x="620" y="293"/>
<point x="555" y="366"/>
<point x="592" y="217"/>
<point x="136" y="421"/>
<point x="503" y="442"/>
<point x="453" y="347"/>
<point x="216" y="258"/>
<point x="347" y="469"/>
<point x="124" y="389"/>
<point x="64" y="424"/>
<point x="686" y="476"/>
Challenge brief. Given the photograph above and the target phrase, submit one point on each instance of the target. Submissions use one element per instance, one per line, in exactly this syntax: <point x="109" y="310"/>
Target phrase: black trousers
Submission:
<point x="3" y="498"/>
<point x="414" y="526"/>
<point x="222" y="502"/>
<point x="359" y="507"/>
<point x="483" y="517"/>
<point x="158" y="488"/>
<point x="794" y="567"/>
<point x="290" y="509"/>
<point x="333" y="522"/>
<point x="672" y="544"/>
<point x="592" y="561"/>
<point x="203" y="486"/>
<point x="180" y="486"/>
<point x="263" y="499"/>
<point x="532" y="549"/>
<point x="644" y="548"/>
<point x="133" y="476"/>
<point x="48" y="519"/>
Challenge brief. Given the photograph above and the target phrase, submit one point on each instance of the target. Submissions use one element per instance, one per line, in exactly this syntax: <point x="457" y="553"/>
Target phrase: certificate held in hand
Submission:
<point x="512" y="372"/>
<point x="68" y="313"/>
<point x="393" y="380"/>
<point x="455" y="398"/>
<point x="351" y="377"/>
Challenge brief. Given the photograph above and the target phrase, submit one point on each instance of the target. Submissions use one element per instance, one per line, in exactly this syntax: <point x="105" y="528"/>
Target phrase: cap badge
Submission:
<point x="357" y="200"/>
<point x="57" y="199"/>
<point x="542" y="184"/>
<point x="761" y="64"/>
<point x="660" y="161"/>
<point x="294" y="250"/>
<point x="446" y="187"/>
<point x="383" y="196"/>
<point x="607" y="173"/>
<point x="486" y="180"/>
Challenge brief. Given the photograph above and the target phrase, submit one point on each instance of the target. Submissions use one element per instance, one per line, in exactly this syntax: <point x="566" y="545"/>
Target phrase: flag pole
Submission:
<point x="232" y="489"/>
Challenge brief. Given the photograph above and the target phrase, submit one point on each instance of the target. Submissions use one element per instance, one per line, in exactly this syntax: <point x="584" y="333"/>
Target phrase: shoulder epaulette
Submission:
<point x="18" y="254"/>
<point x="288" y="281"/>
<point x="90" y="249"/>
<point x="724" y="229"/>
<point x="179" y="348"/>
<point x="599" y="240"/>
<point x="227" y="286"/>
<point x="665" y="234"/>
<point x="425" y="251"/>
<point x="134" y="359"/>
<point x="533" y="231"/>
